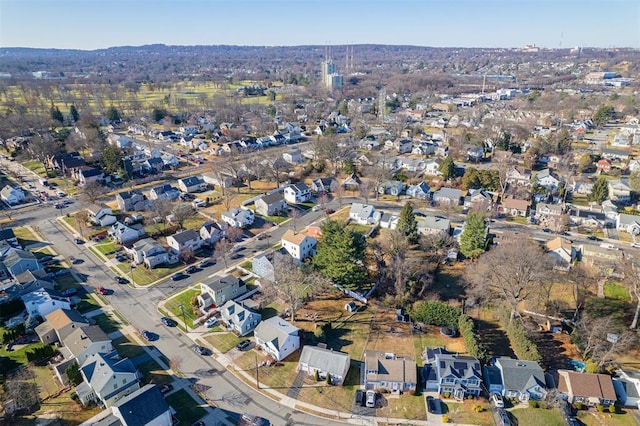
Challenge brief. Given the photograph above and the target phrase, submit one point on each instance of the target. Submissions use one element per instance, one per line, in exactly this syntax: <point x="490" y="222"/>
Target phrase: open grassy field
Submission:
<point x="223" y="341"/>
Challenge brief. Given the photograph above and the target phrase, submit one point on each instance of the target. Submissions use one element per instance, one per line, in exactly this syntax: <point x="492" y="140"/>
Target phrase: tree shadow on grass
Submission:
<point x="336" y="340"/>
<point x="494" y="339"/>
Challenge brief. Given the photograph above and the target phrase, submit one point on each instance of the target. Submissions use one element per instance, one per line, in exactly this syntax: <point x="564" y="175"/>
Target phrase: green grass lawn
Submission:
<point x="107" y="323"/>
<point x="66" y="282"/>
<point x="593" y="418"/>
<point x="153" y="373"/>
<point x="25" y="236"/>
<point x="105" y="247"/>
<point x="537" y="416"/>
<point x="144" y="276"/>
<point x="87" y="304"/>
<point x="127" y="348"/>
<point x="223" y="342"/>
<point x="613" y="290"/>
<point x="17" y="357"/>
<point x="278" y="220"/>
<point x="187" y="410"/>
<point x="184" y="299"/>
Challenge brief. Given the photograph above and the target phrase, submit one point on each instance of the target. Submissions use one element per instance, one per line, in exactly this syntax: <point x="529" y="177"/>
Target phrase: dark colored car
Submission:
<point x="70" y="292"/>
<point x="191" y="269"/>
<point x="206" y="262"/>
<point x="546" y="230"/>
<point x="235" y="256"/>
<point x="178" y="276"/>
<point x="168" y="322"/>
<point x="166" y="388"/>
<point x="122" y="280"/>
<point x="244" y="344"/>
<point x="76" y="261"/>
<point x="149" y="336"/>
<point x="329" y="211"/>
<point x="202" y="350"/>
<point x="593" y="238"/>
<point x="360" y="397"/>
<point x="78" y="241"/>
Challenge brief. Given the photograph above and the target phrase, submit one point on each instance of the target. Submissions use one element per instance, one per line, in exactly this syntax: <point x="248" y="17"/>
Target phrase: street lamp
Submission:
<point x="184" y="318"/>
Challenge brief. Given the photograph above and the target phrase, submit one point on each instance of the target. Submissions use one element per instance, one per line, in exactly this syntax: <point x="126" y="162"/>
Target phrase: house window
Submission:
<point x="124" y="381"/>
<point x="115" y="386"/>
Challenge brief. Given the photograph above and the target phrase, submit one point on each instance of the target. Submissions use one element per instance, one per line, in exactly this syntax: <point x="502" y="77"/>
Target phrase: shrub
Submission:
<point x="466" y="329"/>
<point x="329" y="382"/>
<point x="612" y="409"/>
<point x="447" y="395"/>
<point x="435" y="313"/>
<point x="316" y="376"/>
<point x="534" y="404"/>
<point x="600" y="408"/>
<point x="522" y="344"/>
<point x="578" y="405"/>
<point x="591" y="367"/>
<point x="411" y="392"/>
<point x="445" y="419"/>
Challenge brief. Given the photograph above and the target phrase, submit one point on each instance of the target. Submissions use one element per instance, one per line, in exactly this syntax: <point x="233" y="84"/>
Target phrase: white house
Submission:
<point x="107" y="378"/>
<point x="86" y="340"/>
<point x="364" y="214"/>
<point x="148" y="252"/>
<point x="325" y="362"/>
<point x="421" y="191"/>
<point x="192" y="184"/>
<point x="42" y="302"/>
<point x="277" y="337"/>
<point x="11" y="195"/>
<point x="519" y="176"/>
<point x="432" y="167"/>
<point x="321" y="185"/>
<point x="210" y="232"/>
<point x="125" y="234"/>
<point x="165" y="191"/>
<point x="188" y="239"/>
<point x="562" y="251"/>
<point x="238" y="218"/>
<point x="297" y="193"/>
<point x="101" y="215"/>
<point x="546" y="179"/>
<point x="628" y="223"/>
<point x="627" y="386"/>
<point x="293" y="156"/>
<point x="299" y="246"/>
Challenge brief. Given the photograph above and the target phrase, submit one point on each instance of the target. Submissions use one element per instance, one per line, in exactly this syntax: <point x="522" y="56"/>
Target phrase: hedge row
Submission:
<point x="522" y="345"/>
<point x="466" y="329"/>
<point x="435" y="313"/>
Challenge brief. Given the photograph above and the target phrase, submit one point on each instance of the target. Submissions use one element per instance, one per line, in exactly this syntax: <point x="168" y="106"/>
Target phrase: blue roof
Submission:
<point x="142" y="406"/>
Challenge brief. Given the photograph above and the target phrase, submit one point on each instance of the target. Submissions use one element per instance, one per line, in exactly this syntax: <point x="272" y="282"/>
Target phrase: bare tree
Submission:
<point x="601" y="339"/>
<point x="222" y="249"/>
<point x="510" y="272"/>
<point x="82" y="220"/>
<point x="181" y="213"/>
<point x="365" y="191"/>
<point x="22" y="388"/>
<point x="339" y="192"/>
<point x="161" y="208"/>
<point x="632" y="282"/>
<point x="323" y="199"/>
<point x="233" y="234"/>
<point x="295" y="214"/>
<point x="92" y="191"/>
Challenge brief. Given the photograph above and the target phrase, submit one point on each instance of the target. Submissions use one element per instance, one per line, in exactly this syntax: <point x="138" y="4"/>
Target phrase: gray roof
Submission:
<point x="272" y="198"/>
<point x="275" y="330"/>
<point x="520" y="375"/>
<point x="81" y="338"/>
<point x="15" y="256"/>
<point x="184" y="236"/>
<point x="7" y="234"/>
<point x="362" y="210"/>
<point x="628" y="219"/>
<point x="458" y="365"/>
<point x="125" y="195"/>
<point x="327" y="360"/>
<point x="434" y="222"/>
<point x="219" y="283"/>
<point x="450" y="193"/>
<point x="100" y="368"/>
<point x="142" y="406"/>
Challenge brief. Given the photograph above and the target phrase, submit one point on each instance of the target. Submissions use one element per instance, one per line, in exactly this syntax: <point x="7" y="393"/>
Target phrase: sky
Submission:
<point x="97" y="24"/>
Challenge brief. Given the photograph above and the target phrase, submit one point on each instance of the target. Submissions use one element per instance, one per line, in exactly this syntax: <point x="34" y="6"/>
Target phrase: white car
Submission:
<point x="211" y="322"/>
<point x="636" y="245"/>
<point x="370" y="400"/>
<point x="496" y="400"/>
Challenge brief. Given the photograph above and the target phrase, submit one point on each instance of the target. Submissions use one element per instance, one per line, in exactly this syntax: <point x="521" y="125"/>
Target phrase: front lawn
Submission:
<point x="223" y="342"/>
<point x="106" y="247"/>
<point x="406" y="407"/>
<point x="593" y="418"/>
<point x="153" y="373"/>
<point x="144" y="276"/>
<point x="186" y="312"/>
<point x="127" y="348"/>
<point x="87" y="304"/>
<point x="613" y="290"/>
<point x="537" y="416"/>
<point x="463" y="412"/>
<point x="187" y="410"/>
<point x="278" y="220"/>
<point x="107" y="323"/>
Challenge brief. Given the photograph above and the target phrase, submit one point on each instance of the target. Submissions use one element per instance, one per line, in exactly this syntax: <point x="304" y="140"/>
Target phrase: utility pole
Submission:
<point x="184" y="318"/>
<point x="256" y="362"/>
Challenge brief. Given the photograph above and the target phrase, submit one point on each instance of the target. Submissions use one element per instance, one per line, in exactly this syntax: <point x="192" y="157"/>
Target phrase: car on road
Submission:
<point x="149" y="336"/>
<point x="76" y="260"/>
<point x="202" y="350"/>
<point x="262" y="236"/>
<point x="122" y="280"/>
<point x="593" y="238"/>
<point x="250" y="419"/>
<point x="236" y="249"/>
<point x="636" y="245"/>
<point x="166" y="388"/>
<point x="329" y="211"/>
<point x="178" y="276"/>
<point x="244" y="344"/>
<point x="60" y="206"/>
<point x="78" y="241"/>
<point x="169" y="322"/>
<point x="206" y="262"/>
<point x="191" y="269"/>
<point x="370" y="399"/>
<point x="547" y="230"/>
<point x="103" y="291"/>
<point x="496" y="400"/>
<point x="211" y="322"/>
<point x="235" y="256"/>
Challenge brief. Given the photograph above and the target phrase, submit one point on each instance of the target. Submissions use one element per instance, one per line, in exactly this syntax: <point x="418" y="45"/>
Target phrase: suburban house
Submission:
<point x="277" y="337"/>
<point x="42" y="302"/>
<point x="546" y="179"/>
<point x="433" y="225"/>
<point x="432" y="167"/>
<point x="447" y="196"/>
<point x="165" y="191"/>
<point x="391" y="187"/>
<point x="581" y="186"/>
<point x="352" y="183"/>
<point x="586" y="388"/>
<point x="101" y="215"/>
<point x="514" y="207"/>
<point x="185" y="240"/>
<point x="210" y="232"/>
<point x="475" y="153"/>
<point x="421" y="191"/>
<point x="238" y="318"/>
<point x="562" y="252"/>
<point x="619" y="191"/>
<point x="297" y="193"/>
<point x="518" y="176"/>
<point x="389" y="221"/>
<point x="130" y="201"/>
<point x="18" y="261"/>
<point x="263" y="267"/>
<point x="615" y="154"/>
<point x="549" y="212"/>
<point x="478" y="199"/>
<point x="107" y="378"/>
<point x="589" y="218"/>
<point x="603" y="166"/>
<point x="145" y="406"/>
<point x="455" y="375"/>
<point x="325" y="362"/>
<point x="238" y="218"/>
<point x="218" y="179"/>
<point x="148" y="252"/>
<point x="153" y="164"/>
<point x="85" y="341"/>
<point x="402" y="146"/>
<point x="192" y="184"/>
<point x="627" y="386"/>
<point x="628" y="223"/>
<point x="521" y="379"/>
<point x="412" y="164"/>
<point x="12" y="195"/>
<point x="293" y="156"/>
<point x="125" y="234"/>
<point x="394" y="373"/>
<point x="65" y="162"/>
<point x="300" y="246"/>
<point x="59" y="324"/>
<point x="325" y="184"/>
<point x="364" y="214"/>
<point x="271" y="205"/>
<point x="220" y="290"/>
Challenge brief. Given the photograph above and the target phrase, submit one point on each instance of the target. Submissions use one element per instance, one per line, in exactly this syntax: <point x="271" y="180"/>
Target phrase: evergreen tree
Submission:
<point x="74" y="113"/>
<point x="473" y="239"/>
<point x="470" y="178"/>
<point x="56" y="114"/>
<point x="348" y="167"/>
<point x="602" y="115"/>
<point x="447" y="168"/>
<point x="112" y="159"/>
<point x="73" y="374"/>
<point x="600" y="190"/>
<point x="407" y="224"/>
<point x="113" y="114"/>
<point x="340" y="255"/>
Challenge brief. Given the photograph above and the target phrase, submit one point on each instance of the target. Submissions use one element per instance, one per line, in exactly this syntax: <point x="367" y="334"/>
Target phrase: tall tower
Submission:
<point x="330" y="76"/>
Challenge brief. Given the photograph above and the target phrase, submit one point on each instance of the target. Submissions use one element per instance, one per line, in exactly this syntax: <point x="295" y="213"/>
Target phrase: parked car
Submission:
<point x="78" y="241"/>
<point x="593" y="238"/>
<point x="60" y="206"/>
<point x="103" y="291"/>
<point x="360" y="397"/>
<point x="166" y="388"/>
<point x="547" y="230"/>
<point x="235" y="256"/>
<point x="149" y="336"/>
<point x="636" y="245"/>
<point x="329" y="211"/>
<point x="262" y="236"/>
<point x="370" y="400"/>
<point x="202" y="350"/>
<point x="206" y="262"/>
<point x="76" y="261"/>
<point x="178" y="276"/>
<point x="250" y="419"/>
<point x="244" y="344"/>
<point x="191" y="269"/>
<point x="169" y="322"/>
<point x="496" y="400"/>
<point x="211" y="322"/>
<point x="122" y="280"/>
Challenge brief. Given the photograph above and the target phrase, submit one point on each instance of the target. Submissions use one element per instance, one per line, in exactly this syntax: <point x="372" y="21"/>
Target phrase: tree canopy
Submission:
<point x="340" y="255"/>
<point x="600" y="190"/>
<point x="447" y="168"/>
<point x="112" y="159"/>
<point x="602" y="115"/>
<point x="407" y="224"/>
<point x="473" y="239"/>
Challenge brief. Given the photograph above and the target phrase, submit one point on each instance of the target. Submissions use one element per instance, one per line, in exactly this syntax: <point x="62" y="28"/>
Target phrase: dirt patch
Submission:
<point x="555" y="349"/>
